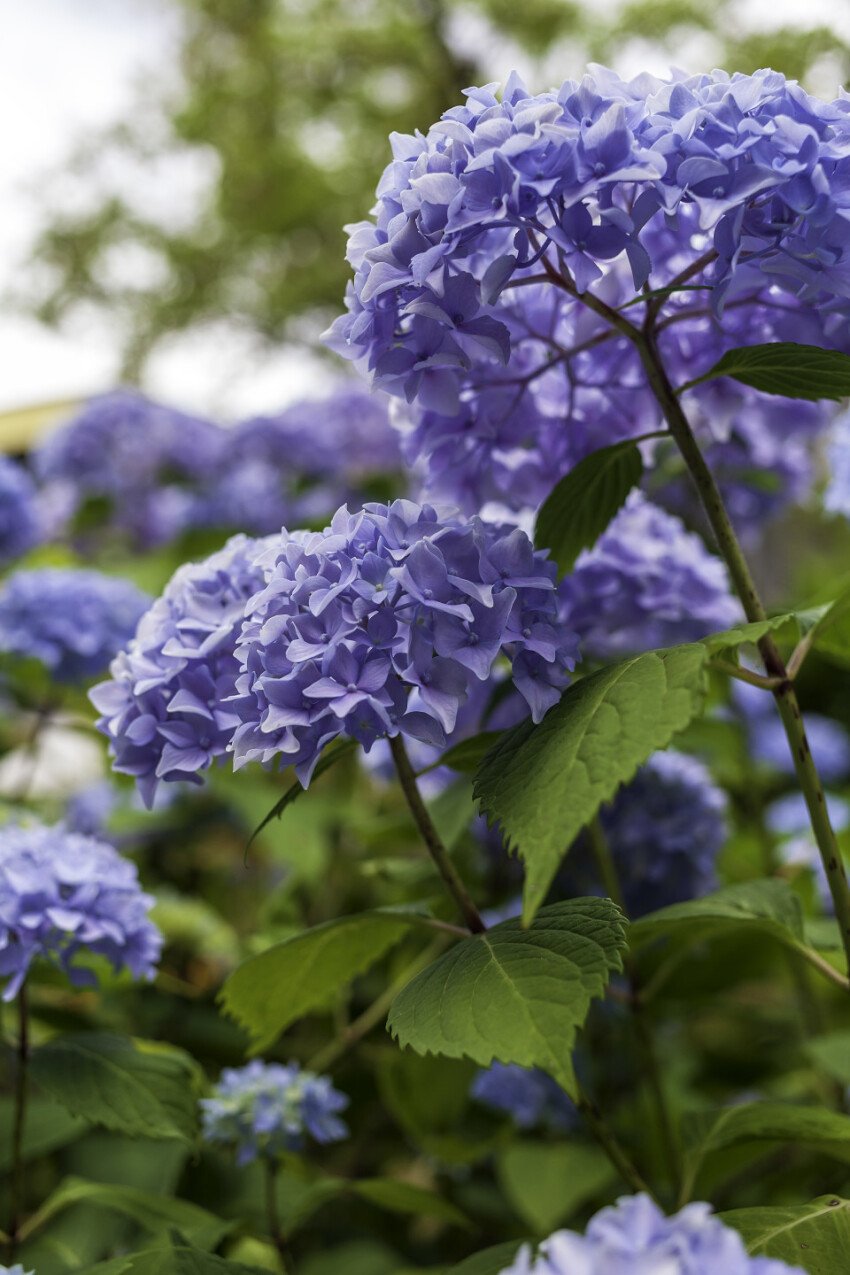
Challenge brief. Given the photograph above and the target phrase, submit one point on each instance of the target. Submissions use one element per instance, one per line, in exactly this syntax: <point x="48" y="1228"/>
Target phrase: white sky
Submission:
<point x="70" y="66"/>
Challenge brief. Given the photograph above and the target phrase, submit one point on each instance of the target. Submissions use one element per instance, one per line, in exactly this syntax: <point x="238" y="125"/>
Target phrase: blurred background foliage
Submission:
<point x="287" y="104"/>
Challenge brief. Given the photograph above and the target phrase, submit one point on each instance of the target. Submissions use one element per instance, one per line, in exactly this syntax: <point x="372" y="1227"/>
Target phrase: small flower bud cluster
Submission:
<point x="62" y="894"/>
<point x="265" y="1108"/>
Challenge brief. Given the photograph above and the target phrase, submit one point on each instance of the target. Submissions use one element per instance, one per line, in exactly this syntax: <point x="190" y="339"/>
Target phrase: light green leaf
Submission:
<point x="157" y="1214"/>
<point x="512" y="994"/>
<point x="770" y="906"/>
<point x="490" y="1261"/>
<point x="831" y="1054"/>
<point x="131" y="1086"/>
<point x="181" y="1259"/>
<point x="580" y="507"/>
<point x="742" y="633"/>
<point x="544" y="783"/>
<point x="815" y="1236"/>
<point x="787" y="368"/>
<point x="547" y="1181"/>
<point x="831" y="631"/>
<point x="404" y="1197"/>
<point x="270" y="991"/>
<point x="329" y="758"/>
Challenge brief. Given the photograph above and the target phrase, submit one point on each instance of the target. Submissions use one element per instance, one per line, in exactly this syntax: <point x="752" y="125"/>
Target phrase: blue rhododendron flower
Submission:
<point x="635" y="1238"/>
<point x="530" y="1097"/>
<point x="166" y="709"/>
<point x="646" y="583"/>
<point x="20" y="526"/>
<point x="383" y="623"/>
<point x="734" y="185"/>
<point x="73" y="620"/>
<point x="62" y="894"/>
<point x="265" y="1108"/>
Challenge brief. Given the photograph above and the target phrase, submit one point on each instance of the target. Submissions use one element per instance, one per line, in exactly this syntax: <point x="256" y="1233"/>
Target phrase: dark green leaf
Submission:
<point x="546" y="1181"/>
<point x="512" y="994"/>
<point x="466" y="756"/>
<point x="48" y="1127"/>
<point x="181" y="1259"/>
<point x="131" y="1086"/>
<point x="580" y="507"/>
<point x="404" y="1197"/>
<point x="787" y="368"/>
<point x="329" y="758"/>
<point x="490" y="1261"/>
<point x="271" y="990"/>
<point x="544" y="783"/>
<point x="769" y="906"/>
<point x="815" y="1236"/>
<point x="832" y="1055"/>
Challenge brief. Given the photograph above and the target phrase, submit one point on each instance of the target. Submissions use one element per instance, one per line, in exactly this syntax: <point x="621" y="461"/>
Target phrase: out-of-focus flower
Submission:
<point x="828" y="740"/>
<point x="789" y="821"/>
<point x="62" y="894"/>
<point x="646" y="583"/>
<point x="266" y="1108"/>
<point x="165" y="709"/>
<point x="20" y="525"/>
<point x="635" y="1237"/>
<point x="75" y="621"/>
<point x="383" y="622"/>
<point x="530" y="1097"/>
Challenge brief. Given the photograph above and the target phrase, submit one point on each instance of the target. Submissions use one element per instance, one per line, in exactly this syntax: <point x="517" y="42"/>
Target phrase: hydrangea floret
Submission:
<point x="381" y="625"/>
<point x="74" y="620"/>
<point x="491" y="229"/>
<point x="166" y="707"/>
<point x="63" y="894"/>
<point x="532" y="1099"/>
<point x="634" y="1235"/>
<point x="20" y="527"/>
<point x="263" y="1109"/>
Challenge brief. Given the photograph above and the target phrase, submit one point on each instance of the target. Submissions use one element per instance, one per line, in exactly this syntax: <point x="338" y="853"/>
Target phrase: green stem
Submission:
<point x="373" y="1014"/>
<point x="643" y="1030"/>
<point x="21" y="1077"/>
<point x="272" y="1215"/>
<point x="432" y="839"/>
<point x="609" y="1144"/>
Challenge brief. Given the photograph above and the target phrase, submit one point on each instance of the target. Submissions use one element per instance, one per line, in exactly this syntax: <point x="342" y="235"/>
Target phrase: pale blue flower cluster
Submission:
<point x="635" y="1238"/>
<point x="532" y="1099"/>
<point x="165" y="708"/>
<point x="383" y="623"/>
<point x="73" y="620"/>
<point x="20" y="526"/>
<point x="62" y="894"/>
<point x="646" y="583"/>
<point x="734" y="186"/>
<point x="265" y="1108"/>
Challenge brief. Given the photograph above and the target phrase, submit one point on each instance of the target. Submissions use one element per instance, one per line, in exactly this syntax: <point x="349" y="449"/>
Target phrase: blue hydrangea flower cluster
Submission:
<point x="266" y="1108"/>
<point x="634" y="1235"/>
<point x="646" y="583"/>
<point x="165" y="708"/>
<point x="20" y="527"/>
<point x="532" y="1099"/>
<point x="731" y="186"/>
<point x="73" y="620"/>
<point x="62" y="894"/>
<point x="17" y="1269"/>
<point x="665" y="830"/>
<point x="383" y="623"/>
<point x="828" y="740"/>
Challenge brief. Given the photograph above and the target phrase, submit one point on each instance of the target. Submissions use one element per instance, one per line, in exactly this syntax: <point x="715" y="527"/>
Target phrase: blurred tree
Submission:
<point x="288" y="103"/>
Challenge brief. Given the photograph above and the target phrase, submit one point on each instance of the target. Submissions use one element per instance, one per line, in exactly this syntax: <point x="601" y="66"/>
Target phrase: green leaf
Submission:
<point x="544" y="783"/>
<point x="329" y="758"/>
<point x="157" y="1214"/>
<point x="769" y="906"/>
<point x="580" y="507"/>
<point x="403" y="1197"/>
<point x="831" y="631"/>
<point x="707" y="1131"/>
<point x="490" y="1261"/>
<point x="735" y="637"/>
<point x="131" y="1086"/>
<point x="815" y="1236"/>
<point x="466" y="756"/>
<point x="273" y="989"/>
<point x="512" y="994"/>
<point x="547" y="1181"/>
<point x="787" y="368"/>
<point x="831" y="1054"/>
<point x="181" y="1259"/>
<point x="48" y="1126"/>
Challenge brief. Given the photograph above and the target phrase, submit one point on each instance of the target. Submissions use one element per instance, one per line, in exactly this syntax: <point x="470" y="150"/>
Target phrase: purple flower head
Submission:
<point x="165" y="709"/>
<point x="528" y="1095"/>
<point x="384" y="623"/>
<point x="75" y="621"/>
<point x="266" y="1108"/>
<point x="634" y="1237"/>
<point x="646" y="583"/>
<point x="736" y="185"/>
<point x="20" y="524"/>
<point x="62" y="894"/>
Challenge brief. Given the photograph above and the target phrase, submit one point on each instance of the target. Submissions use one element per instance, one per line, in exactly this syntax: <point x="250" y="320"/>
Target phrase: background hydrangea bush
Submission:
<point x="450" y="873"/>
